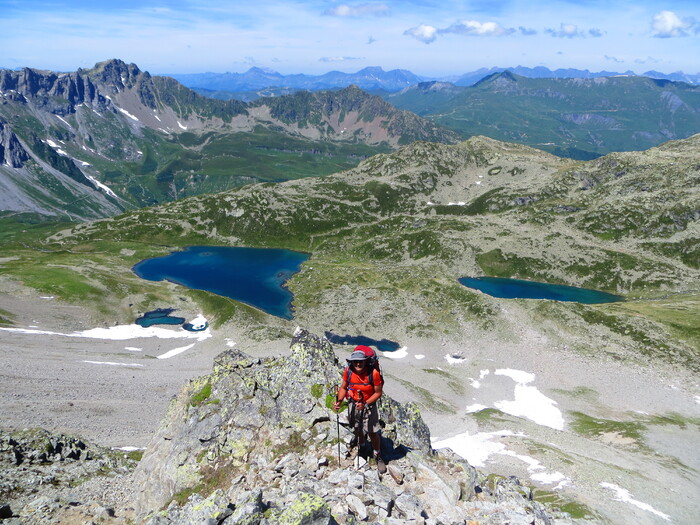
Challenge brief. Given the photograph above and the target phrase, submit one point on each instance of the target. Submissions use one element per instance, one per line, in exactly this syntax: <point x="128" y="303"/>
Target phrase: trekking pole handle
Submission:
<point x="360" y="397"/>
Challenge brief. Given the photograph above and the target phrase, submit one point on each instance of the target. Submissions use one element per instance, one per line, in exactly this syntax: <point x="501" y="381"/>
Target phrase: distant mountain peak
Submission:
<point x="500" y="77"/>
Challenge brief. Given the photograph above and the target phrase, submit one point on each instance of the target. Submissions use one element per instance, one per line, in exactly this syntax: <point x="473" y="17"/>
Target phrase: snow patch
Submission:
<point x="516" y="375"/>
<point x="625" y="496"/>
<point x="101" y="186"/>
<point x="181" y="126"/>
<point x="454" y="359"/>
<point x="128" y="114"/>
<point x="64" y="121"/>
<point x="479" y="447"/>
<point x="121" y="333"/>
<point x="419" y="356"/>
<point x="199" y="322"/>
<point x="112" y="363"/>
<point x="396" y="354"/>
<point x="174" y="352"/>
<point x="529" y="402"/>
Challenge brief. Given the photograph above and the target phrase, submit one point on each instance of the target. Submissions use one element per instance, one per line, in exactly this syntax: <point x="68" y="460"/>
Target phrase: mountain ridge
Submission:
<point x="136" y="139"/>
<point x="375" y="78"/>
<point x="580" y="118"/>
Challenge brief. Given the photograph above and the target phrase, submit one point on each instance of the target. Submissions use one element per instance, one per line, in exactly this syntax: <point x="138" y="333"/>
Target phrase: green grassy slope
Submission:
<point x="395" y="233"/>
<point x="578" y="118"/>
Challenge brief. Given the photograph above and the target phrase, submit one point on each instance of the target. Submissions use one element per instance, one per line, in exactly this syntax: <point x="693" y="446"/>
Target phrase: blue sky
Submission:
<point x="430" y="38"/>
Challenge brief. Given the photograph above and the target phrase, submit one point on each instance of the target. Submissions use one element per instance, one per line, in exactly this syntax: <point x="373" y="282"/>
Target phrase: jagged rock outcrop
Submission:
<point x="12" y="153"/>
<point x="254" y="442"/>
<point x="37" y="468"/>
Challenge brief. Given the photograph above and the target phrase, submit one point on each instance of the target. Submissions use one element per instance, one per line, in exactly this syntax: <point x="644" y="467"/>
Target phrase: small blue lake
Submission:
<point x="385" y="345"/>
<point x="520" y="289"/>
<point x="254" y="276"/>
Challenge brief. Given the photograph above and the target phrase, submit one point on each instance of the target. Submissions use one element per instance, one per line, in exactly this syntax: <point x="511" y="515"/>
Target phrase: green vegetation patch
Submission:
<point x="597" y="427"/>
<point x="557" y="501"/>
<point x="201" y="396"/>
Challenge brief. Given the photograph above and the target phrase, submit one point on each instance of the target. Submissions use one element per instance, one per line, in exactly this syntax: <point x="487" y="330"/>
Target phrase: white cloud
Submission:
<point x="667" y="24"/>
<point x="428" y="34"/>
<point x="338" y="59"/>
<point x="424" y="33"/>
<point x="565" y="31"/>
<point x="614" y="59"/>
<point x="358" y="10"/>
<point x="475" y="28"/>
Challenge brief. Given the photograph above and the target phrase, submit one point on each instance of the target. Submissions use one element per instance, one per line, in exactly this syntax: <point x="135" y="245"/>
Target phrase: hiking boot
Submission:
<point x="381" y="466"/>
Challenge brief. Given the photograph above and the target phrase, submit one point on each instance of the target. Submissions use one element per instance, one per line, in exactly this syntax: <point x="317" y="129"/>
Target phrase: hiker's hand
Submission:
<point x="360" y="405"/>
<point x="336" y="406"/>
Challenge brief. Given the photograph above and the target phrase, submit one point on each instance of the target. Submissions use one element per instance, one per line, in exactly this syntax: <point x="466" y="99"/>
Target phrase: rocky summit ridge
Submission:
<point x="254" y="442"/>
<point x="94" y="142"/>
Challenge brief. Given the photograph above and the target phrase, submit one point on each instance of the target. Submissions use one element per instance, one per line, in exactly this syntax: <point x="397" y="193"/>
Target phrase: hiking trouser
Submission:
<point x="370" y="418"/>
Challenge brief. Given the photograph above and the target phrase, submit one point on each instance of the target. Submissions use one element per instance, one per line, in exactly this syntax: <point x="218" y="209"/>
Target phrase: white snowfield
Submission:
<point x="132" y="331"/>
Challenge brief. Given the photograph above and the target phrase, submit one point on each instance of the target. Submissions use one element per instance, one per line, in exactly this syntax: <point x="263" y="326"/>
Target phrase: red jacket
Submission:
<point x="360" y="383"/>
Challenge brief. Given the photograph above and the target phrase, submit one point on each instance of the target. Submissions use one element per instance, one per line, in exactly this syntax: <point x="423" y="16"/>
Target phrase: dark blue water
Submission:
<point x="519" y="289"/>
<point x="255" y="276"/>
<point x="159" y="316"/>
<point x="380" y="344"/>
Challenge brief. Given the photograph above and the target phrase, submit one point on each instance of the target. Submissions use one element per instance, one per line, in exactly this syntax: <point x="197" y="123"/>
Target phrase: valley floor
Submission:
<point x="618" y="438"/>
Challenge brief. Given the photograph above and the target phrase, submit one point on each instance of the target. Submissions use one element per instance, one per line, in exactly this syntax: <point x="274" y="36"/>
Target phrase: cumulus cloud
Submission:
<point x="338" y="59"/>
<point x="613" y="59"/>
<point x="424" y="33"/>
<point x="565" y="31"/>
<point x="475" y="28"/>
<point x="647" y="60"/>
<point x="428" y="34"/>
<point x="572" y="31"/>
<point x="358" y="10"/>
<point x="667" y="24"/>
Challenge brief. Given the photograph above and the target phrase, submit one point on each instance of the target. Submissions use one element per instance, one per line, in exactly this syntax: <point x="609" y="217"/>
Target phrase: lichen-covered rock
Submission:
<point x="254" y="443"/>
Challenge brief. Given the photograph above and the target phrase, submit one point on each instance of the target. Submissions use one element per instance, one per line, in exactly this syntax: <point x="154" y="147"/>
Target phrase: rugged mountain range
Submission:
<point x="578" y="118"/>
<point x="471" y="78"/>
<point x="369" y="78"/>
<point x="97" y="141"/>
<point x="375" y="78"/>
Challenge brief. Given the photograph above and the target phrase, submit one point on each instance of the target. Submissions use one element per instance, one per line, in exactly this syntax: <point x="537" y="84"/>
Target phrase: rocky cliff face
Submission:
<point x="253" y="442"/>
<point x="148" y="139"/>
<point x="12" y="154"/>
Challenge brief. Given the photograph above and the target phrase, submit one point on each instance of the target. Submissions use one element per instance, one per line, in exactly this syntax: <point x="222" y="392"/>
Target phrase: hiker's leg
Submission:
<point x="376" y="441"/>
<point x="373" y="427"/>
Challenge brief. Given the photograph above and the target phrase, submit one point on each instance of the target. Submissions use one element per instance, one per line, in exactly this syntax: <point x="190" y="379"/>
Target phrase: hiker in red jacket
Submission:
<point x="362" y="385"/>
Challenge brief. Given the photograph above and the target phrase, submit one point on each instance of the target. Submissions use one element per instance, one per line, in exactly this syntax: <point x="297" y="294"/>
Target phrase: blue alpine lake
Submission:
<point x="520" y="289"/>
<point x="159" y="316"/>
<point x="254" y="276"/>
<point x="385" y="345"/>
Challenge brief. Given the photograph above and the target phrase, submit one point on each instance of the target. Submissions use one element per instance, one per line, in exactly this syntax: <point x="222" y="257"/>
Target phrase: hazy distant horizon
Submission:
<point x="313" y="37"/>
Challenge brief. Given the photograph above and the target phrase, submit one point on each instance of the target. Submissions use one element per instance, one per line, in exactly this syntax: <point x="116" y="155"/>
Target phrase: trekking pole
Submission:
<point x="359" y="423"/>
<point x="337" y="424"/>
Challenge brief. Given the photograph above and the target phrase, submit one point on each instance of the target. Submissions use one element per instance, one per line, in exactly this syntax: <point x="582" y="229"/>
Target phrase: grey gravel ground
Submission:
<point x="46" y="381"/>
